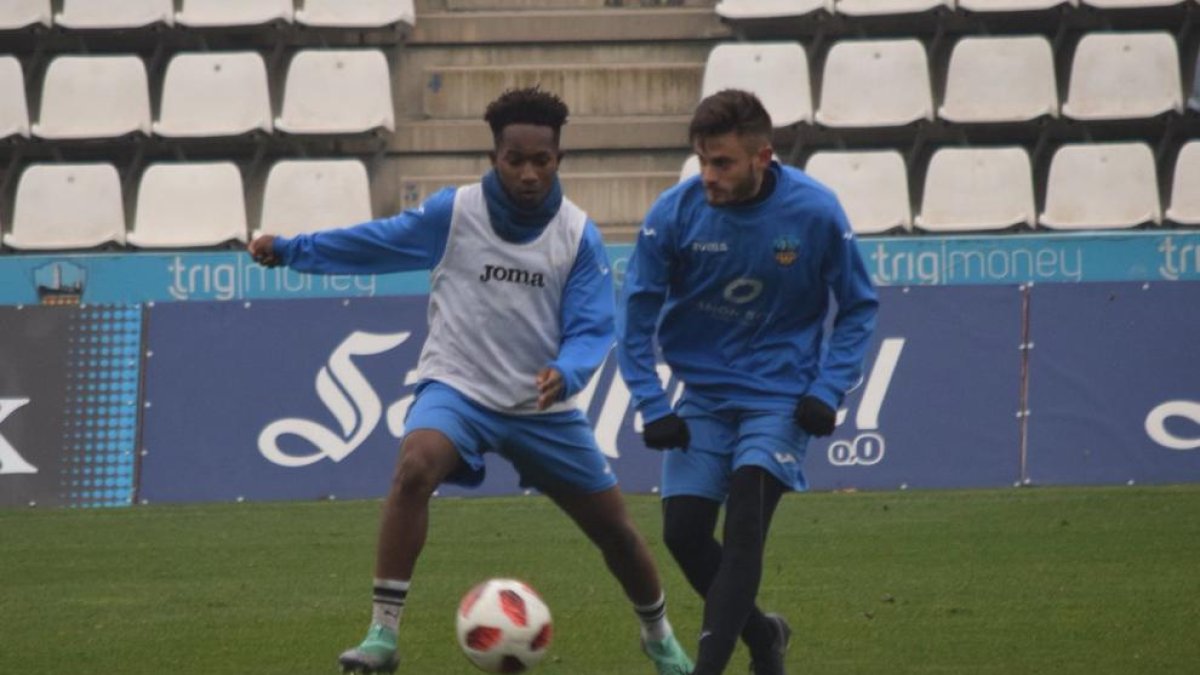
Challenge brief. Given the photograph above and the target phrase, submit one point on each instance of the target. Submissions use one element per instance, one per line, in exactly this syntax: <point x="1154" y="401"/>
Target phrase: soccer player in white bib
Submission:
<point x="732" y="273"/>
<point x="521" y="312"/>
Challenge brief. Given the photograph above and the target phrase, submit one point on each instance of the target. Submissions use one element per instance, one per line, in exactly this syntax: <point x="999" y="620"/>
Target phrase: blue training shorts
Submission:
<point x="724" y="440"/>
<point x="552" y="451"/>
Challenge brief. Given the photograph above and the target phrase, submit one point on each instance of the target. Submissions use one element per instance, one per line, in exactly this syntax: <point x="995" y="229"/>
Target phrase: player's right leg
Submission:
<point x="442" y="443"/>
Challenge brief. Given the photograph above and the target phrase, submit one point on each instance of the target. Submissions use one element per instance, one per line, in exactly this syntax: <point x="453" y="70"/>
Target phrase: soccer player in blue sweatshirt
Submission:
<point x="732" y="273"/>
<point x="520" y="316"/>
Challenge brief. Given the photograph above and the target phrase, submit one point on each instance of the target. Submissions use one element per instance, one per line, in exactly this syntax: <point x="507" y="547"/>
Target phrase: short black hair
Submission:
<point x="730" y="110"/>
<point x="530" y="105"/>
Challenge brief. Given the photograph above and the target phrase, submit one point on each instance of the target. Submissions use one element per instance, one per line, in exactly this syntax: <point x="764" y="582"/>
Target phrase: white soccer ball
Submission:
<point x="504" y="626"/>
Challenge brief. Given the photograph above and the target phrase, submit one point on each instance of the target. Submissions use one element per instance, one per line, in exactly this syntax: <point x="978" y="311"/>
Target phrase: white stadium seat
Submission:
<point x="1185" y="193"/>
<point x="17" y="14"/>
<point x="875" y="83"/>
<point x="1101" y="186"/>
<point x="114" y="14"/>
<point x="1124" y="76"/>
<point x="337" y="91"/>
<point x="214" y="94"/>
<point x="877" y="7"/>
<point x="1000" y="79"/>
<point x="356" y="13"/>
<point x="735" y="10"/>
<point x="1130" y="4"/>
<point x="94" y="97"/>
<point x="223" y="13"/>
<point x="14" y="112"/>
<point x="977" y="189"/>
<point x="308" y="195"/>
<point x="185" y="205"/>
<point x="66" y="206"/>
<point x="691" y="167"/>
<point x="871" y="185"/>
<point x="1012" y="5"/>
<point x="777" y="72"/>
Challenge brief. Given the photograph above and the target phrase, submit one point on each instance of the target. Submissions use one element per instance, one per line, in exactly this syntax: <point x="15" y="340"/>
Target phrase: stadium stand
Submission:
<point x="977" y="189"/>
<point x="214" y="94"/>
<point x="761" y="68"/>
<point x="114" y="14"/>
<point x="337" y="92"/>
<point x="186" y="205"/>
<point x="1124" y="76"/>
<point x="94" y="97"/>
<point x="1102" y="186"/>
<point x="141" y="83"/>
<point x="1000" y="79"/>
<point x="14" y="110"/>
<point x="67" y="206"/>
<point x="1185" y="188"/>
<point x="307" y="195"/>
<point x="872" y="186"/>
<point x="222" y="13"/>
<point x="18" y="14"/>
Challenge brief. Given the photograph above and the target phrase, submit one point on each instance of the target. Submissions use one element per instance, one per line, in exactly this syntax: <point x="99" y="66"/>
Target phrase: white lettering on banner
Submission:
<point x="975" y="265"/>
<point x="11" y="461"/>
<point x="1156" y="424"/>
<point x="866" y="449"/>
<point x="348" y="396"/>
<point x="1178" y="260"/>
<point x="229" y="281"/>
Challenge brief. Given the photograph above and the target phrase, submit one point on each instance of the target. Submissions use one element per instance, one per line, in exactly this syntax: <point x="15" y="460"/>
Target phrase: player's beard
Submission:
<point x="742" y="191"/>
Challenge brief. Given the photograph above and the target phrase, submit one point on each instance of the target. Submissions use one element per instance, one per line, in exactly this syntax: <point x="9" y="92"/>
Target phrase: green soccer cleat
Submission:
<point x="771" y="663"/>
<point x="376" y="654"/>
<point x="668" y="656"/>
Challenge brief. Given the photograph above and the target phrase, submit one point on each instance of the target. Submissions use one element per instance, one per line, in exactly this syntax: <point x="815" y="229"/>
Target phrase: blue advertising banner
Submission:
<point x="297" y="399"/>
<point x="1114" y="384"/>
<point x="135" y="277"/>
<point x="68" y="405"/>
<point x="938" y="403"/>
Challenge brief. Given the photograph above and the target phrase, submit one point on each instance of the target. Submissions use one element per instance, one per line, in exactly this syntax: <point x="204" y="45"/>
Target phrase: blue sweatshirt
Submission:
<point x="738" y="296"/>
<point x="415" y="239"/>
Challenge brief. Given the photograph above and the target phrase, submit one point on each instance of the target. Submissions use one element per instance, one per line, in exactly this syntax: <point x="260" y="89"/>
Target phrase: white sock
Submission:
<point x="388" y="603"/>
<point x="655" y="627"/>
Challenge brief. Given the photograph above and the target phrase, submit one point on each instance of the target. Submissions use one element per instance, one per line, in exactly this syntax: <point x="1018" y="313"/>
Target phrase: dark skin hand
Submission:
<point x="262" y="250"/>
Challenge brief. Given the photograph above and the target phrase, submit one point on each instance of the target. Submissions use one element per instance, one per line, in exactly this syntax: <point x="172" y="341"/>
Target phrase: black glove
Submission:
<point x="666" y="433"/>
<point x="815" y="417"/>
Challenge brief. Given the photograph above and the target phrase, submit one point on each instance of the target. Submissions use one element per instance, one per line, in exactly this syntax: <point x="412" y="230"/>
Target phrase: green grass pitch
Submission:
<point x="1040" y="580"/>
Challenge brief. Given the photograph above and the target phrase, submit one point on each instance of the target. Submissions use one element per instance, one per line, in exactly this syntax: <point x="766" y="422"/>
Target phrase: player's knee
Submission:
<point x="682" y="538"/>
<point x="416" y="474"/>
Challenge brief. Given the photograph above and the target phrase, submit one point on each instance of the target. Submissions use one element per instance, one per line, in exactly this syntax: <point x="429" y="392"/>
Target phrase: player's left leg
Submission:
<point x="557" y="453"/>
<point x="604" y="519"/>
<point x="753" y="495"/>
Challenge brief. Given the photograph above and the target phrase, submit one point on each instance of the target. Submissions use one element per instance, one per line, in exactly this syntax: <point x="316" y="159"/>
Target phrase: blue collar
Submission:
<point x="512" y="222"/>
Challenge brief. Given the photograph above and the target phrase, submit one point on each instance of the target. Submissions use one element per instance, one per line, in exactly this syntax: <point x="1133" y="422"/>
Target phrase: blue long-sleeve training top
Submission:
<point x="738" y="296"/>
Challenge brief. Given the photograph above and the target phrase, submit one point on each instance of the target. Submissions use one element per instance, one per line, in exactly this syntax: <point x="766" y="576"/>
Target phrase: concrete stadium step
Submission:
<point x="460" y="92"/>
<point x="568" y="25"/>
<point x="645" y="132"/>
<point x="616" y="201"/>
